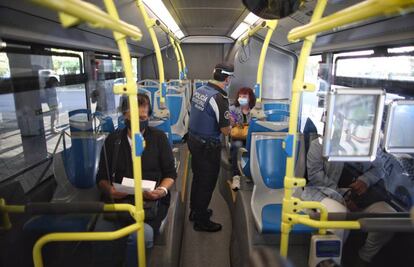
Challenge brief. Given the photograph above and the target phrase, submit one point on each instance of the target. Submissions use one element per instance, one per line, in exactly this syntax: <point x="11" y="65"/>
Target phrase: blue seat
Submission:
<point x="163" y="125"/>
<point x="149" y="87"/>
<point x="268" y="168"/>
<point x="257" y="126"/>
<point x="75" y="170"/>
<point x="276" y="111"/>
<point x="80" y="120"/>
<point x="272" y="217"/>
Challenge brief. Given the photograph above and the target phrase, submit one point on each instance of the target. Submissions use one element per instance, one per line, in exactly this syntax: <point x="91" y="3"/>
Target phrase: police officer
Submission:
<point x="209" y="118"/>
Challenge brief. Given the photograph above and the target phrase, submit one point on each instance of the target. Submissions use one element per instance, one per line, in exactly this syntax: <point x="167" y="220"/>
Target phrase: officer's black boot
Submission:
<point x="203" y="223"/>
<point x="191" y="217"/>
<point x="207" y="226"/>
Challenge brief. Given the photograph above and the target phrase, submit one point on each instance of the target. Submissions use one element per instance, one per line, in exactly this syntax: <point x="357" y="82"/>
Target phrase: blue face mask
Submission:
<point x="243" y="101"/>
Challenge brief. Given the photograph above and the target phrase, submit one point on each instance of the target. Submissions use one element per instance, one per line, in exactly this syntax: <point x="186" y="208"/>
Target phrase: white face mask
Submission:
<point x="243" y="101"/>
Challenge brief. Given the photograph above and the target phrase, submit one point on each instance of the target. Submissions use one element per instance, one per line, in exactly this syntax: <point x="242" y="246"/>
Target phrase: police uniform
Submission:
<point x="209" y="113"/>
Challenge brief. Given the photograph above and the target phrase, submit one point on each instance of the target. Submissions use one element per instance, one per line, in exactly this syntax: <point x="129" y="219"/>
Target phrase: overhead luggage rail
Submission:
<point x="73" y="12"/>
<point x="291" y="205"/>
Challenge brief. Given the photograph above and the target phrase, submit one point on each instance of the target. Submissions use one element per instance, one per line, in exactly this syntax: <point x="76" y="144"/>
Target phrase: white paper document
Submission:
<point x="127" y="186"/>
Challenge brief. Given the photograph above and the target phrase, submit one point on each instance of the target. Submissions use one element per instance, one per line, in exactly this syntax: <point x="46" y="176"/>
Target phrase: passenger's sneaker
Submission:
<point x="191" y="216"/>
<point x="207" y="226"/>
<point x="235" y="185"/>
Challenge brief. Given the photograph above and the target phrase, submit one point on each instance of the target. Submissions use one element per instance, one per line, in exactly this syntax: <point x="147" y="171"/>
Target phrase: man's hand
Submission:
<point x="359" y="187"/>
<point x="155" y="194"/>
<point x="116" y="194"/>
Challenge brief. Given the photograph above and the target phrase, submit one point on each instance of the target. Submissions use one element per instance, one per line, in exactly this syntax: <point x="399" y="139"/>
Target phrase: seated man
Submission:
<point x="322" y="186"/>
<point x="157" y="163"/>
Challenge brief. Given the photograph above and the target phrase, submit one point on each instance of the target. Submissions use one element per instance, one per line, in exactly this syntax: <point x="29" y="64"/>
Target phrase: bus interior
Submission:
<point x="338" y="70"/>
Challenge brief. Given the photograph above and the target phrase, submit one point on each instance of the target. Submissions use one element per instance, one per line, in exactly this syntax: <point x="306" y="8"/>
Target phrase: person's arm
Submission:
<point x="373" y="172"/>
<point x="317" y="175"/>
<point x="220" y="106"/>
<point x="168" y="170"/>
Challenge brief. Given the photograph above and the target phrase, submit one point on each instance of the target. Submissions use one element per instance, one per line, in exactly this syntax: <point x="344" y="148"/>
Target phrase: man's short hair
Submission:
<point x="143" y="100"/>
<point x="222" y="71"/>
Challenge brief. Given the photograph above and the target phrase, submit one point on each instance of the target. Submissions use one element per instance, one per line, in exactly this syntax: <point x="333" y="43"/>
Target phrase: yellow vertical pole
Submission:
<point x="258" y="87"/>
<point x="182" y="60"/>
<point x="131" y="91"/>
<point x="297" y="87"/>
<point x="178" y="56"/>
<point x="149" y="23"/>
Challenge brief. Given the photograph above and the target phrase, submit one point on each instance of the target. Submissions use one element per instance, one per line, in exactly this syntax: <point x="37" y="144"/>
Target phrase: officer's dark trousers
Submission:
<point x="205" y="163"/>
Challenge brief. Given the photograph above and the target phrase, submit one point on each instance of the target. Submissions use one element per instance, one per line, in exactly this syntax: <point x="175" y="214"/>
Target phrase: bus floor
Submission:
<point x="201" y="249"/>
<point x="397" y="252"/>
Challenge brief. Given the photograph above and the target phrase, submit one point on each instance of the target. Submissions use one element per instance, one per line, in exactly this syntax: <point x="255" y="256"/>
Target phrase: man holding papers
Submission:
<point x="115" y="166"/>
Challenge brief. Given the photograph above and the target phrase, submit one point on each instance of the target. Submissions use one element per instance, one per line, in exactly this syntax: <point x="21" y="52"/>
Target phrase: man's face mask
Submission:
<point x="243" y="101"/>
<point x="142" y="124"/>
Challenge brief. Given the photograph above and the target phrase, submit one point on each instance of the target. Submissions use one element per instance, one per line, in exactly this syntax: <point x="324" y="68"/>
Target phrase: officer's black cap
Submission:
<point x="224" y="68"/>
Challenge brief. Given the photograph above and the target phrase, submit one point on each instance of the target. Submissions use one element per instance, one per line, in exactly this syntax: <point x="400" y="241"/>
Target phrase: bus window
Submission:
<point x="310" y="106"/>
<point x="36" y="92"/>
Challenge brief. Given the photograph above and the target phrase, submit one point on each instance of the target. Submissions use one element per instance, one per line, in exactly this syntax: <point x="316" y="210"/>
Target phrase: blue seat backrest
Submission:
<point x="121" y="122"/>
<point x="272" y="161"/>
<point x="80" y="120"/>
<point x="163" y="125"/>
<point x="81" y="160"/>
<point x="262" y="126"/>
<point x="276" y="111"/>
<point x="174" y="104"/>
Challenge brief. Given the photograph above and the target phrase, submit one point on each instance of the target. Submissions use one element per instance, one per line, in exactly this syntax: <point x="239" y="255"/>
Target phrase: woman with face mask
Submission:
<point x="240" y="117"/>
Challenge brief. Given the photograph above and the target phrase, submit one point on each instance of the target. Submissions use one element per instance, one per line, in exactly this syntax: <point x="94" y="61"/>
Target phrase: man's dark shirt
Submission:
<point x="157" y="158"/>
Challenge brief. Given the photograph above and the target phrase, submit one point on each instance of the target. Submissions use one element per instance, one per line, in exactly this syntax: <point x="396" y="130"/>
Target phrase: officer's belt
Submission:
<point x="204" y="140"/>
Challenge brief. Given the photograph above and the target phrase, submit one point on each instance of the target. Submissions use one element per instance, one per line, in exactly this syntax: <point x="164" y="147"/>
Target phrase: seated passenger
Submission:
<point x="157" y="164"/>
<point x="240" y="117"/>
<point x="324" y="177"/>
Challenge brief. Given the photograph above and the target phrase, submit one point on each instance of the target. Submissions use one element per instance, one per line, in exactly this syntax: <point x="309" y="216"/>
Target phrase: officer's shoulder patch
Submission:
<point x="227" y="115"/>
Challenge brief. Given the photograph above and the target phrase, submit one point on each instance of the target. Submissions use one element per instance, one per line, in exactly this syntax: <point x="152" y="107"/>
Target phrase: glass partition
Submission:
<point x="353" y="124"/>
<point x="399" y="129"/>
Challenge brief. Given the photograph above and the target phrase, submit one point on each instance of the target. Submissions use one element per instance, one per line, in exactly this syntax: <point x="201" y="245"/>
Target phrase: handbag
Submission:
<point x="240" y="131"/>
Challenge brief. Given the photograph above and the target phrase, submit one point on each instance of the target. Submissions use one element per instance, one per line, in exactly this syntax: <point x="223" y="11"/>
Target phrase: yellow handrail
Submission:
<point x="72" y="11"/>
<point x="150" y="23"/>
<point x="252" y="32"/>
<point x="291" y="206"/>
<point x="182" y="60"/>
<point x="358" y="12"/>
<point x="131" y="91"/>
<point x="297" y="87"/>
<point x="271" y="25"/>
<point x="96" y="236"/>
<point x="176" y="44"/>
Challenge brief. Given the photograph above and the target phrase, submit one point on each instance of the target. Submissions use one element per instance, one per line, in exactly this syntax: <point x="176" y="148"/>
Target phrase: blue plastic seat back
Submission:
<point x="272" y="162"/>
<point x="121" y="122"/>
<point x="81" y="160"/>
<point x="174" y="104"/>
<point x="276" y="111"/>
<point x="163" y="125"/>
<point x="257" y="126"/>
<point x="80" y="120"/>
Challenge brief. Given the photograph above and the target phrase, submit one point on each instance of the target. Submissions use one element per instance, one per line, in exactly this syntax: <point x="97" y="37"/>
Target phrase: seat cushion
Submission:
<point x="59" y="223"/>
<point x="176" y="138"/>
<point x="272" y="218"/>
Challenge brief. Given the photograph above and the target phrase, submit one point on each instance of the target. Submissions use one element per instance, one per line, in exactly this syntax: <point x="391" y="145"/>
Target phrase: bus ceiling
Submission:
<point x="220" y="21"/>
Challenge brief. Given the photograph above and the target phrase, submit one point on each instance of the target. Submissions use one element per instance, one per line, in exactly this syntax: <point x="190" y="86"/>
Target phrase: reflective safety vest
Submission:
<point x="203" y="121"/>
